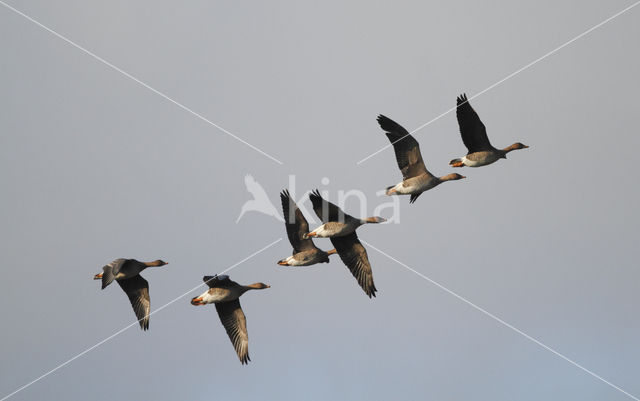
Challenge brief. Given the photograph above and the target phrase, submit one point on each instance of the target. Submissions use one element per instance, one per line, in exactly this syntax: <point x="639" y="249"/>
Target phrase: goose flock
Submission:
<point x="336" y="225"/>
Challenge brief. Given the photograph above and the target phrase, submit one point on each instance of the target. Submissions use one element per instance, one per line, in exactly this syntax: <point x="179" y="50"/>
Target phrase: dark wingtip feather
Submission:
<point x="285" y="199"/>
<point x="387" y="124"/>
<point x="414" y="197"/>
<point x="315" y="194"/>
<point x="382" y="119"/>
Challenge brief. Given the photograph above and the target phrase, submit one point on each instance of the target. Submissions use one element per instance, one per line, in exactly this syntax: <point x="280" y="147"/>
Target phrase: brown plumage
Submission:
<point x="351" y="251"/>
<point x="127" y="273"/>
<point x="354" y="256"/>
<point x="406" y="148"/>
<point x="474" y="136"/>
<point x="305" y="252"/>
<point x="225" y="294"/>
<point x="416" y="179"/>
<point x="336" y="222"/>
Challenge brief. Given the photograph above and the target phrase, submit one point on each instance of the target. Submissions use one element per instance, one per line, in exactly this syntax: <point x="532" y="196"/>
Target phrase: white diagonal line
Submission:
<point x="132" y="324"/>
<point x="588" y="31"/>
<point x="497" y="319"/>
<point x="126" y="74"/>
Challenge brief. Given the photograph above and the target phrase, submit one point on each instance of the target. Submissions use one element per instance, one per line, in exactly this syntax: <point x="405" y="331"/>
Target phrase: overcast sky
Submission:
<point x="93" y="166"/>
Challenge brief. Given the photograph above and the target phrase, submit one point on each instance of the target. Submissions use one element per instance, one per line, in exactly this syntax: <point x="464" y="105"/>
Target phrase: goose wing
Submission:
<point x="406" y="148"/>
<point x="295" y="223"/>
<point x="219" y="281"/>
<point x="354" y="256"/>
<point x="137" y="289"/>
<point x="235" y="323"/>
<point x="327" y="211"/>
<point x="472" y="130"/>
<point x="109" y="271"/>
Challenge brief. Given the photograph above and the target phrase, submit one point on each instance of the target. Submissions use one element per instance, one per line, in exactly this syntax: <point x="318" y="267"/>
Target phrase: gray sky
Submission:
<point x="94" y="167"/>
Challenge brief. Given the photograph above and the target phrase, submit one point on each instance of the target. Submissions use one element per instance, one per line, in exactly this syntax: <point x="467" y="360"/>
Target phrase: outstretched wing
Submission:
<point x="137" y="289"/>
<point x="327" y="211"/>
<point x="472" y="130"/>
<point x="109" y="271"/>
<point x="354" y="256"/>
<point x="235" y="323"/>
<point x="406" y="148"/>
<point x="295" y="223"/>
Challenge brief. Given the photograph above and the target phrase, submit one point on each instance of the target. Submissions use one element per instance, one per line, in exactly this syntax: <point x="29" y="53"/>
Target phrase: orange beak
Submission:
<point x="311" y="235"/>
<point x="197" y="301"/>
<point x="283" y="263"/>
<point x="98" y="276"/>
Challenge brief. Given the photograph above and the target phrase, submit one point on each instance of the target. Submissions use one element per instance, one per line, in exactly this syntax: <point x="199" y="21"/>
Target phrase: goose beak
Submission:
<point x="197" y="301"/>
<point x="526" y="147"/>
<point x="283" y="263"/>
<point x="98" y="276"/>
<point x="309" y="235"/>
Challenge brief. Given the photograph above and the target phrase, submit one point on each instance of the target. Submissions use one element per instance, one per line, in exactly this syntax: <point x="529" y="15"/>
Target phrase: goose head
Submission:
<point x="156" y="263"/>
<point x="197" y="301"/>
<point x="258" y="286"/>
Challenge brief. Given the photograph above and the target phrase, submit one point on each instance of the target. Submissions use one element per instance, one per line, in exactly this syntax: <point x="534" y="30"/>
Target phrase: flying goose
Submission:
<point x="127" y="273"/>
<point x="225" y="293"/>
<point x="351" y="251"/>
<point x="336" y="222"/>
<point x="474" y="136"/>
<point x="305" y="253"/>
<point x="415" y="177"/>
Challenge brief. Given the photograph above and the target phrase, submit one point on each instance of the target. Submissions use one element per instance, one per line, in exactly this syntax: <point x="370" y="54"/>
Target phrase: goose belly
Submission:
<point x="216" y="295"/>
<point x="334" y="229"/>
<point x="479" y="159"/>
<point x="415" y="185"/>
<point x="298" y="260"/>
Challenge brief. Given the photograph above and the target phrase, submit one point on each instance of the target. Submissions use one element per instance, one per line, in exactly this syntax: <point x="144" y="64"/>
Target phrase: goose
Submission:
<point x="225" y="294"/>
<point x="349" y="248"/>
<point x="305" y="253"/>
<point x="126" y="272"/>
<point x="474" y="136"/>
<point x="415" y="177"/>
<point x="336" y="223"/>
